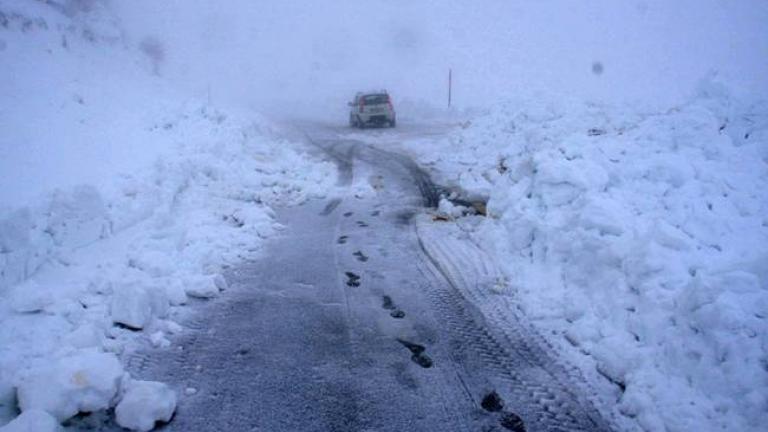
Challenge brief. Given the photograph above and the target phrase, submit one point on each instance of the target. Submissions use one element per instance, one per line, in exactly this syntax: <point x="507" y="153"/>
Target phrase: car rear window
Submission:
<point x="375" y="99"/>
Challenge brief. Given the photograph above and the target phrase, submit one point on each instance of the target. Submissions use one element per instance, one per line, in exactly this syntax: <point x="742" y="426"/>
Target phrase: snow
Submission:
<point x="130" y="199"/>
<point x="449" y="210"/>
<point x="83" y="381"/>
<point x="32" y="420"/>
<point x="145" y="403"/>
<point x="638" y="238"/>
<point x="131" y="307"/>
<point x="637" y="235"/>
<point x="201" y="287"/>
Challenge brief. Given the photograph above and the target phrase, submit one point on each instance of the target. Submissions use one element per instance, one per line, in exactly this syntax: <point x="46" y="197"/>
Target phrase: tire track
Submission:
<point x="547" y="395"/>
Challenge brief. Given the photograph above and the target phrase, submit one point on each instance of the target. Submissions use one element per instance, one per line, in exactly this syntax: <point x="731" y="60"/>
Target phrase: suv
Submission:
<point x="374" y="109"/>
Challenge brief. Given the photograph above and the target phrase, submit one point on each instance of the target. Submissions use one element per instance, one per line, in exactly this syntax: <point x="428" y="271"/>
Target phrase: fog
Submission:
<point x="311" y="56"/>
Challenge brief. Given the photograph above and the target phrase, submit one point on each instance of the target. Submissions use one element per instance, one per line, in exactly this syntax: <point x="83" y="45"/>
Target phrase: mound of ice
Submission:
<point x="84" y="381"/>
<point x="143" y="404"/>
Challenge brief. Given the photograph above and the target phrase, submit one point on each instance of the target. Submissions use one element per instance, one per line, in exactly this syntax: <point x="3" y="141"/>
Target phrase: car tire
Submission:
<point x="392" y="123"/>
<point x="352" y="121"/>
<point x="360" y="124"/>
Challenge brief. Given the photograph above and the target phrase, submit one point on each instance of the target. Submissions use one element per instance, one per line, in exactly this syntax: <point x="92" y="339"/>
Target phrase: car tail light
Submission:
<point x="362" y="104"/>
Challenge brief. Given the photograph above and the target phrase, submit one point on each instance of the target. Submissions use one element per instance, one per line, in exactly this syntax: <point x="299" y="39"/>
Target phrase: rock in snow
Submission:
<point x="144" y="404"/>
<point x="33" y="420"/>
<point x="85" y="381"/>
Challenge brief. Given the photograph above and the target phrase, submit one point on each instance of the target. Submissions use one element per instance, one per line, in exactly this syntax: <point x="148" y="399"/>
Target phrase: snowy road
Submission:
<point x="366" y="315"/>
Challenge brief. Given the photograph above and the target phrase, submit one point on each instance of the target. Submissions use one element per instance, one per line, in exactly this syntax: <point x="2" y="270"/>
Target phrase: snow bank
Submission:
<point x="640" y="238"/>
<point x="72" y="268"/>
<point x="120" y="200"/>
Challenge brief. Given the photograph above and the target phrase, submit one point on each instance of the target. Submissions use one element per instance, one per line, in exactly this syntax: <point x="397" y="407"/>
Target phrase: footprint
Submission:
<point x="492" y="402"/>
<point x="412" y="347"/>
<point x="513" y="422"/>
<point x="375" y="213"/>
<point x="386" y="302"/>
<point x="342" y="239"/>
<point x="362" y="224"/>
<point x="360" y="256"/>
<point x="353" y="279"/>
<point x="332" y="204"/>
<point x="348" y="214"/>
<point x="418" y="356"/>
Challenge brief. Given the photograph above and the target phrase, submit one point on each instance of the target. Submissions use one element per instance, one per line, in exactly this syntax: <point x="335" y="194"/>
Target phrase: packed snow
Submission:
<point x="638" y="237"/>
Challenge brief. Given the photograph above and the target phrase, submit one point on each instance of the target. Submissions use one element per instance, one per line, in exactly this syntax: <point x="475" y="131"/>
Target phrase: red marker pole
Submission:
<point x="450" y="85"/>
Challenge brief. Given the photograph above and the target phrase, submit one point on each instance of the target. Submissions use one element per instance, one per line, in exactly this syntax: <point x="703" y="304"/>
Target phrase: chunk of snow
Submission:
<point x="201" y="286"/>
<point x="29" y="297"/>
<point x="84" y="381"/>
<point x="172" y="327"/>
<point x="154" y="262"/>
<point x="448" y="209"/>
<point x="220" y="282"/>
<point x="131" y="306"/>
<point x="33" y="420"/>
<point x="158" y="300"/>
<point x="158" y="339"/>
<point x="78" y="217"/>
<point x="176" y="293"/>
<point x="143" y="404"/>
<point x="85" y="336"/>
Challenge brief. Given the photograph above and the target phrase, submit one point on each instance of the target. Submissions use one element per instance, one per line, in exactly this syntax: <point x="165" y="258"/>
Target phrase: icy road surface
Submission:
<point x="366" y="315"/>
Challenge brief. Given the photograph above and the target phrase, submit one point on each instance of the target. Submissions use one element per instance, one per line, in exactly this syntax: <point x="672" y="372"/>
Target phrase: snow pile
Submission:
<point x="120" y="201"/>
<point x="640" y="237"/>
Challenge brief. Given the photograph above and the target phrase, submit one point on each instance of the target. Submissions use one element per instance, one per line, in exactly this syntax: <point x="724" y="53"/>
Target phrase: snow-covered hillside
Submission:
<point x="120" y="200"/>
<point x="639" y="238"/>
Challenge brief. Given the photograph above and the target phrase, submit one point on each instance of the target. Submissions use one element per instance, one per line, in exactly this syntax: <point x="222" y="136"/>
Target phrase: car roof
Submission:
<point x="372" y="92"/>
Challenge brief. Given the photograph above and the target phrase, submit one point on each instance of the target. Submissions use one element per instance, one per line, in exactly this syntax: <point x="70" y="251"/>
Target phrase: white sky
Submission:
<point x="309" y="51"/>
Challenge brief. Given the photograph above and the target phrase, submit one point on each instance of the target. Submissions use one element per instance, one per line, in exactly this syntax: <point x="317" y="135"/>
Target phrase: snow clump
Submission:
<point x="144" y="404"/>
